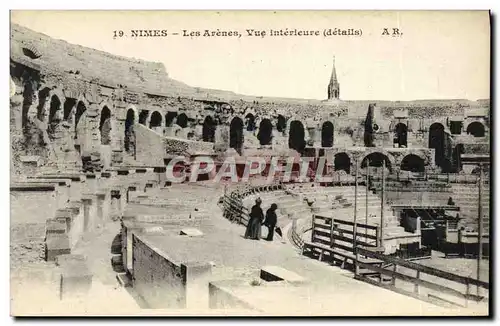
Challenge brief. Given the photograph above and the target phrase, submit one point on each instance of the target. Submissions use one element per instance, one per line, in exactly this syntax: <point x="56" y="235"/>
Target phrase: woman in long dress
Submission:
<point x="254" y="223"/>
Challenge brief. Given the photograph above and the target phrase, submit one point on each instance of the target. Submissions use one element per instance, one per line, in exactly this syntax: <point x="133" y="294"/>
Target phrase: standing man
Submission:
<point x="271" y="220"/>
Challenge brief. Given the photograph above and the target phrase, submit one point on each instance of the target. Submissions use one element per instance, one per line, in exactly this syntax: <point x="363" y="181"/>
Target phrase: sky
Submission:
<point x="440" y="55"/>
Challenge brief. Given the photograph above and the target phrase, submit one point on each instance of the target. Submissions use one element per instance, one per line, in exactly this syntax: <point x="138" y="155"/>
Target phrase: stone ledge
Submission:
<point x="276" y="273"/>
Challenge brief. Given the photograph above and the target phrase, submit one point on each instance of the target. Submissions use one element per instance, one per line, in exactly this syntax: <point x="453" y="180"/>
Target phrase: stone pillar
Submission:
<point x="195" y="277"/>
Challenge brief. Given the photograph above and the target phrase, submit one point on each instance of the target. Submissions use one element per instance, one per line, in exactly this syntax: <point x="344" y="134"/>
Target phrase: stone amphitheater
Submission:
<point x="93" y="215"/>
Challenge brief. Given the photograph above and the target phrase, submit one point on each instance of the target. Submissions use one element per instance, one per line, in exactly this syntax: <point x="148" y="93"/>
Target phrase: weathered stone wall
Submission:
<point x="157" y="279"/>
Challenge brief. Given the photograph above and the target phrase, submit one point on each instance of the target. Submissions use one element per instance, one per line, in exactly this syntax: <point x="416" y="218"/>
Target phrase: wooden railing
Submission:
<point x="439" y="286"/>
<point x="234" y="210"/>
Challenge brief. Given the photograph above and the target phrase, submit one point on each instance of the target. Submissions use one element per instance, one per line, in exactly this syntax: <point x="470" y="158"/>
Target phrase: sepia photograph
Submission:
<point x="250" y="163"/>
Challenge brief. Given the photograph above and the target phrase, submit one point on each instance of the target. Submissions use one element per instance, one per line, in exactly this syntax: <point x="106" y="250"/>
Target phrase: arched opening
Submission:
<point x="265" y="135"/>
<point x="296" y="137"/>
<point x="105" y="126"/>
<point x="327" y="134"/>
<point x="55" y="107"/>
<point x="208" y="130"/>
<point x="476" y="129"/>
<point x="250" y="122"/>
<point x="156" y="120"/>
<point x="182" y="120"/>
<point x="413" y="163"/>
<point x="436" y="141"/>
<point x="129" y="132"/>
<point x="281" y="124"/>
<point x="80" y="110"/>
<point x="28" y="98"/>
<point x="169" y="118"/>
<point x="236" y="134"/>
<point x="377" y="160"/>
<point x="69" y="104"/>
<point x="342" y="162"/>
<point x="401" y="135"/>
<point x="143" y="116"/>
<point x="42" y="98"/>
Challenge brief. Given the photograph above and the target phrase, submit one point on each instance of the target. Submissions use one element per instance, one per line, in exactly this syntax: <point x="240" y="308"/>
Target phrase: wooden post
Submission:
<point x="480" y="227"/>
<point x="416" y="289"/>
<point x="382" y="206"/>
<point x="394" y="270"/>
<point x="355" y="226"/>
<point x="312" y="227"/>
<point x="333" y="226"/>
<point x="356" y="265"/>
<point x="467" y="292"/>
<point x="366" y="199"/>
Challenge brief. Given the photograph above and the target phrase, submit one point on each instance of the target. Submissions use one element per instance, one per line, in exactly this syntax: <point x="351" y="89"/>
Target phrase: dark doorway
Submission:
<point x="208" y="131"/>
<point x="236" y="134"/>
<point x="456" y="127"/>
<point x="327" y="134"/>
<point x="281" y="124"/>
<point x="265" y="135"/>
<point x="155" y="120"/>
<point x="42" y="98"/>
<point x="413" y="163"/>
<point x="169" y="118"/>
<point x="143" y="116"/>
<point x="376" y="159"/>
<point x="296" y="137"/>
<point x="129" y="132"/>
<point x="476" y="129"/>
<point x="69" y="104"/>
<point x="182" y="120"/>
<point x="105" y="126"/>
<point x="342" y="162"/>
<point x="402" y="134"/>
<point x="80" y="110"/>
<point x="250" y="122"/>
<point x="436" y="141"/>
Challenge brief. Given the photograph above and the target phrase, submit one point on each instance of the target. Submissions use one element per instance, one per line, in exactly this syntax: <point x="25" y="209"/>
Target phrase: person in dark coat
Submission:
<point x="256" y="217"/>
<point x="271" y="220"/>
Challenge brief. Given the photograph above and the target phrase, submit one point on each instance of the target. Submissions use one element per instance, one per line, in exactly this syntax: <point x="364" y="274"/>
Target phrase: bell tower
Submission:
<point x="333" y="86"/>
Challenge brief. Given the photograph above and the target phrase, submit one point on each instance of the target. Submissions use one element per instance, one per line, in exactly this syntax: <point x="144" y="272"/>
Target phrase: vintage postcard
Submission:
<point x="250" y="163"/>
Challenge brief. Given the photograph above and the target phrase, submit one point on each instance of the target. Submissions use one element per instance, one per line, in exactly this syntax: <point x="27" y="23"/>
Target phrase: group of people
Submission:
<point x="256" y="220"/>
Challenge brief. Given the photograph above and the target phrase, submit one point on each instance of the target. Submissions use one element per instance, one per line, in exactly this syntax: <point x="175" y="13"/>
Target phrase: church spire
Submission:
<point x="333" y="86"/>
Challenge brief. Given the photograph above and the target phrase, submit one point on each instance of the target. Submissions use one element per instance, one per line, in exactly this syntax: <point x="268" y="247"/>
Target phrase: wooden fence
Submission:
<point x="444" y="283"/>
<point x="335" y="238"/>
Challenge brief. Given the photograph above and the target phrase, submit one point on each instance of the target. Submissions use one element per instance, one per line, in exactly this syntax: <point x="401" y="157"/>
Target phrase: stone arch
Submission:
<point x="250" y="124"/>
<point x="296" y="138"/>
<point x="208" y="129"/>
<point x="413" y="163"/>
<point x="401" y="134"/>
<point x="55" y="110"/>
<point x="476" y="129"/>
<point x="30" y="96"/>
<point x="265" y="134"/>
<point x="129" y="140"/>
<point x="436" y="141"/>
<point x="105" y="125"/>
<point x="236" y="137"/>
<point x="182" y="120"/>
<point x="376" y="159"/>
<point x="342" y="161"/>
<point x="80" y="125"/>
<point x="69" y="106"/>
<point x="156" y="120"/>
<point x="281" y="123"/>
<point x="43" y="96"/>
<point x="143" y="117"/>
<point x="327" y="134"/>
<point x="170" y="118"/>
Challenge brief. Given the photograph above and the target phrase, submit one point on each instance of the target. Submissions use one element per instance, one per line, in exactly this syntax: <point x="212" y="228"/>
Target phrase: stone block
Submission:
<point x="56" y="244"/>
<point x="76" y="278"/>
<point x="196" y="277"/>
<point x="55" y="226"/>
<point x="191" y="232"/>
<point x="276" y="274"/>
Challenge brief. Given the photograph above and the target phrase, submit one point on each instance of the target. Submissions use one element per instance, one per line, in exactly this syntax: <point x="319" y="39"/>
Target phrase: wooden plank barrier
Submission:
<point x="335" y="238"/>
<point x="417" y="281"/>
